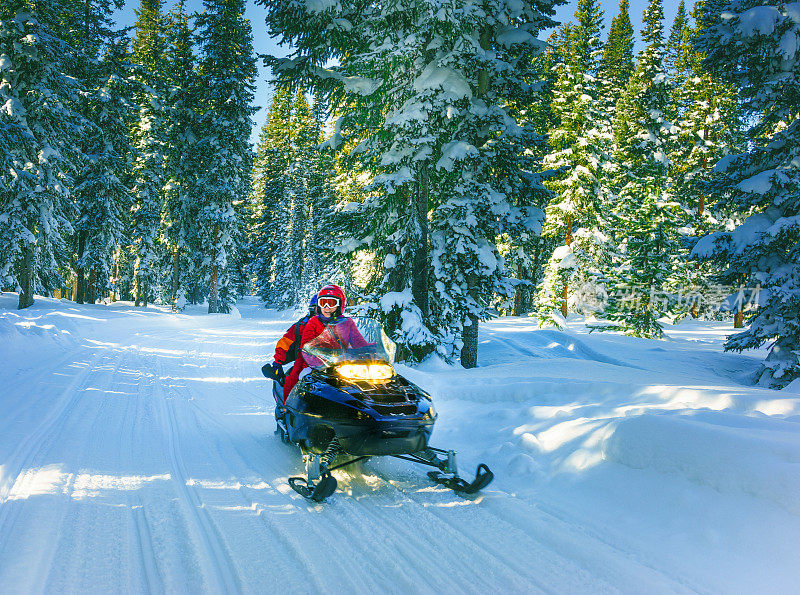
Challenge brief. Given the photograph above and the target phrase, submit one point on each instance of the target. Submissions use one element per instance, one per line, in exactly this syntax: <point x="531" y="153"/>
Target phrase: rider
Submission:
<point x="288" y="348"/>
<point x="331" y="303"/>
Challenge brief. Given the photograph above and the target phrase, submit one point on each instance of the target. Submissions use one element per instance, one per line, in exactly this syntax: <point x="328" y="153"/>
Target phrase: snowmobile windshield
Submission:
<point x="359" y="341"/>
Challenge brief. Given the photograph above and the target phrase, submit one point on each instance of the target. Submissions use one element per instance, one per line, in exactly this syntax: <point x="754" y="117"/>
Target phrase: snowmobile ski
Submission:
<point x="483" y="477"/>
<point x="316" y="492"/>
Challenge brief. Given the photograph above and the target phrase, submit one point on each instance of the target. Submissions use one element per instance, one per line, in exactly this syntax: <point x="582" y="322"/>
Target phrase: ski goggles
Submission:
<point x="328" y="301"/>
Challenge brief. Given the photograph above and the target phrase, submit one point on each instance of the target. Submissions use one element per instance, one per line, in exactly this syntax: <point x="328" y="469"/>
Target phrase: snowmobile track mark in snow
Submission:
<point x="215" y="555"/>
<point x="43" y="437"/>
<point x="423" y="519"/>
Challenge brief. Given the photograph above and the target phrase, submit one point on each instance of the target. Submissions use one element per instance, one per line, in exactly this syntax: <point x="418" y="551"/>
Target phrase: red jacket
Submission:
<point x="293" y="334"/>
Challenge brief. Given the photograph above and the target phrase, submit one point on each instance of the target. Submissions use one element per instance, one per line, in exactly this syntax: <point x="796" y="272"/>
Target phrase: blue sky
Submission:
<point x="262" y="43"/>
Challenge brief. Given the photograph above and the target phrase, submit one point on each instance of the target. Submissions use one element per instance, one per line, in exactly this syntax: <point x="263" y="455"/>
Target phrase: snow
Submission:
<point x="565" y="257"/>
<point x="792" y="10"/>
<point x="749" y="233"/>
<point x="317" y="6"/>
<point x="360" y="85"/>
<point x="725" y="162"/>
<point x="760" y="183"/>
<point x="760" y="20"/>
<point x="137" y="454"/>
<point x="512" y="35"/>
<point x="396" y="298"/>
<point x="455" y="151"/>
<point x="13" y="108"/>
<point x="790" y="43"/>
<point x="453" y="84"/>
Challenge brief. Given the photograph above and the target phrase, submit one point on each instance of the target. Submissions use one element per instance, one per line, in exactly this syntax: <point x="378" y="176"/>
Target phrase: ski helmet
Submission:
<point x="336" y="292"/>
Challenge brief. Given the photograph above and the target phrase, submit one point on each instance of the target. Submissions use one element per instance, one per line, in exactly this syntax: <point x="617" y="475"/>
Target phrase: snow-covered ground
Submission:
<point x="137" y="454"/>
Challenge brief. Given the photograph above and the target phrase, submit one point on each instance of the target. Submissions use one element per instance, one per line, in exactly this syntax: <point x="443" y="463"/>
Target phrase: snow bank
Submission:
<point x="725" y="452"/>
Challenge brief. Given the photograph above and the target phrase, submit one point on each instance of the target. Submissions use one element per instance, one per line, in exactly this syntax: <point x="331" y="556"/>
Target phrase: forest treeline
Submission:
<point x="436" y="159"/>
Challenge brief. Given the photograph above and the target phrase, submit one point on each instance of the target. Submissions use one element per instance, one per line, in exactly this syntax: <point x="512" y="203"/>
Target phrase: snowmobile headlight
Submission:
<point x="366" y="371"/>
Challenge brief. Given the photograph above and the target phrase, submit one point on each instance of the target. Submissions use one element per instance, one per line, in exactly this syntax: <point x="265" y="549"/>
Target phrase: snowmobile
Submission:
<point x="353" y="405"/>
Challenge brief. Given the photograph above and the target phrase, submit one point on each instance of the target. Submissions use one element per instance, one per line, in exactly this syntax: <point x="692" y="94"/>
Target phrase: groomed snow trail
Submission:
<point x="137" y="454"/>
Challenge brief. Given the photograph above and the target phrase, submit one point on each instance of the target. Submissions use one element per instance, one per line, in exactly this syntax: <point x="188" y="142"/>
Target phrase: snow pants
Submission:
<point x="293" y="377"/>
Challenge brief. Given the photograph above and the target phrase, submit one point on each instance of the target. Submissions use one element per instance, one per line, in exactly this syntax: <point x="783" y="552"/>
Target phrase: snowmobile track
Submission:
<point x="221" y="565"/>
<point x="45" y="435"/>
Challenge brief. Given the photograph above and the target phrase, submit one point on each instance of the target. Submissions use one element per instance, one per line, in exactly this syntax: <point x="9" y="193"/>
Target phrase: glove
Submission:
<point x="278" y="369"/>
<point x="273" y="370"/>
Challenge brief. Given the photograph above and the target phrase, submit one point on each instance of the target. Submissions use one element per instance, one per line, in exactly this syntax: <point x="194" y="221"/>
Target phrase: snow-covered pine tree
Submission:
<point x="41" y="131"/>
<point x="618" y="64"/>
<point x="580" y="143"/>
<point x="675" y="44"/>
<point x="180" y="161"/>
<point x="149" y="136"/>
<point x="227" y="68"/>
<point x="102" y="191"/>
<point x="321" y="262"/>
<point x="101" y="185"/>
<point x="646" y="217"/>
<point x="422" y="92"/>
<point x="396" y="208"/>
<point x="755" y="48"/>
<point x="296" y="200"/>
<point x="708" y="129"/>
<point x="479" y="197"/>
<point x="270" y="216"/>
<point x="524" y="248"/>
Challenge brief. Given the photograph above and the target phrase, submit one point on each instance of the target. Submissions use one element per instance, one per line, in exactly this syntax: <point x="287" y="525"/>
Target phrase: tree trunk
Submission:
<point x="700" y="210"/>
<point x="92" y="288"/>
<point x="738" y="318"/>
<point x="114" y="280"/>
<point x="518" y="292"/>
<point x="27" y="278"/>
<point x="419" y="267"/>
<point x="469" y="352"/>
<point x="564" y="291"/>
<point x="213" y="290"/>
<point x="483" y="74"/>
<point x="176" y="275"/>
<point x="140" y="290"/>
<point x="80" y="296"/>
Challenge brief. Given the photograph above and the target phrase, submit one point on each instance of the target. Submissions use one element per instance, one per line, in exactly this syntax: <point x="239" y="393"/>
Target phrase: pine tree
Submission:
<point x="270" y="215"/>
<point x="322" y="232"/>
<point x="708" y="129"/>
<point x="294" y="238"/>
<point x="580" y="145"/>
<point x="748" y="46"/>
<point x="617" y="63"/>
<point x="149" y="136"/>
<point x="102" y="190"/>
<point x="674" y="44"/>
<point x="296" y="197"/>
<point x="180" y="160"/>
<point x="228" y="71"/>
<point x="41" y="131"/>
<point x="646" y="215"/>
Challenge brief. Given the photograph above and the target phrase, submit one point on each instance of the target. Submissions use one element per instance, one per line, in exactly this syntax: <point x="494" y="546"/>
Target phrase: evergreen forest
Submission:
<point x="437" y="159"/>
